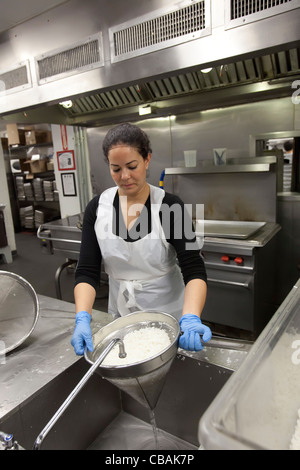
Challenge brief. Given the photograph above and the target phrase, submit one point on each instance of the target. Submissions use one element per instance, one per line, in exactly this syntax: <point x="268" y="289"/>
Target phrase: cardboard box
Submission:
<point x="23" y="166"/>
<point x="34" y="137"/>
<point x="35" y="166"/>
<point x="30" y="137"/>
<point x="15" y="136"/>
<point x="50" y="166"/>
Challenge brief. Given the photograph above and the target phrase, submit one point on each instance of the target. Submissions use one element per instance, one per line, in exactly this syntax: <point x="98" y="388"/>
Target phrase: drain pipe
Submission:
<point x="73" y="394"/>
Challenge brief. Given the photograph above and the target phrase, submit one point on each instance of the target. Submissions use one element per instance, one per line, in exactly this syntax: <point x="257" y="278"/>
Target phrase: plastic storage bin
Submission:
<point x="258" y="407"/>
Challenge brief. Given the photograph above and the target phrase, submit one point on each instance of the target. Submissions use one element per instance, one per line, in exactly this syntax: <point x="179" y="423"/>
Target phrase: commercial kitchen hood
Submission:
<point x="149" y="53"/>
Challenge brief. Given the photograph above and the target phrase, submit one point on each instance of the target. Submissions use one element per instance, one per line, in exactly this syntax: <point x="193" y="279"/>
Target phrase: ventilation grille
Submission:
<point x="113" y="99"/>
<point x="241" y="8"/>
<point x="175" y="27"/>
<point x="263" y="68"/>
<point x="69" y="61"/>
<point x="14" y="80"/>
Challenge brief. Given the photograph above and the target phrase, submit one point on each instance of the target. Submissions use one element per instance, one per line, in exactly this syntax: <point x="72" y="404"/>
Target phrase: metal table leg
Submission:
<point x="58" y="274"/>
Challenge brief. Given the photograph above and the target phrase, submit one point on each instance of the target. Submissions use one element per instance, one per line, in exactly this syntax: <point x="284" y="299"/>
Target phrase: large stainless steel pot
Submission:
<point x="19" y="311"/>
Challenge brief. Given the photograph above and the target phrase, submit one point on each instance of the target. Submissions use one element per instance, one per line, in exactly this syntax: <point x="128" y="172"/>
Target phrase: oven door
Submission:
<point x="230" y="298"/>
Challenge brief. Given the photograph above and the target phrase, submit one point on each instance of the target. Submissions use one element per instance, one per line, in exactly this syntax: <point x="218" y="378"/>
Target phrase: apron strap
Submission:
<point x="128" y="287"/>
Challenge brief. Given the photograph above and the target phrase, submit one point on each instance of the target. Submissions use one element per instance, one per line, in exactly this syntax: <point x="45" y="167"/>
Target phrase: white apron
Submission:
<point x="143" y="275"/>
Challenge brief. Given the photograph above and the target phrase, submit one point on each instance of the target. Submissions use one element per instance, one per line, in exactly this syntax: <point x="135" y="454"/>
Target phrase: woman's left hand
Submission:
<point x="192" y="329"/>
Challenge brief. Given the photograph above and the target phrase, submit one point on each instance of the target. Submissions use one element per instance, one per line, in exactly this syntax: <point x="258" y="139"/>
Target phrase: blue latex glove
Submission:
<point x="192" y="328"/>
<point x="82" y="336"/>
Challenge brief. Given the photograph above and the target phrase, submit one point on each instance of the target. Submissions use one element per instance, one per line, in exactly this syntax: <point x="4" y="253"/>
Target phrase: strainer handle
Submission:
<point x="73" y="394"/>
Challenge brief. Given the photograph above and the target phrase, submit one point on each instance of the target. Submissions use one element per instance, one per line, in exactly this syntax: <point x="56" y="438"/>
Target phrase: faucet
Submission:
<point x="73" y="394"/>
<point x="7" y="442"/>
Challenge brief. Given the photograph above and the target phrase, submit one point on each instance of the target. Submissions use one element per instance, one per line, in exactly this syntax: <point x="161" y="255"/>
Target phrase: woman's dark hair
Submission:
<point x="288" y="146"/>
<point x="127" y="134"/>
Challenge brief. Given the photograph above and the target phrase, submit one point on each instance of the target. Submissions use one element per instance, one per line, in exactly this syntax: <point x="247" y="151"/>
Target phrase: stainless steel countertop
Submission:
<point x="68" y="224"/>
<point x="44" y="355"/>
<point x="288" y="196"/>
<point x="259" y="238"/>
<point x="48" y="352"/>
<point x="221" y="352"/>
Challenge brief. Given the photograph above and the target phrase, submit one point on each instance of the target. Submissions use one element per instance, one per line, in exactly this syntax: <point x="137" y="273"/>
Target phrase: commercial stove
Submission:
<point x="240" y="263"/>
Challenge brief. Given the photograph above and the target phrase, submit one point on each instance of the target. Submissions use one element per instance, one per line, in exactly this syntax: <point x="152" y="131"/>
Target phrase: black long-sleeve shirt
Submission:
<point x="177" y="226"/>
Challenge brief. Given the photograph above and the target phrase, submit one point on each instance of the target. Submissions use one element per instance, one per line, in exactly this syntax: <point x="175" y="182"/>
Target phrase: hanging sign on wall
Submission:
<point x="68" y="184"/>
<point x="66" y="160"/>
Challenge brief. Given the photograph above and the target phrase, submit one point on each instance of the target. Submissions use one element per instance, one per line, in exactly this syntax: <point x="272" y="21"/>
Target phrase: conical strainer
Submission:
<point x="142" y="380"/>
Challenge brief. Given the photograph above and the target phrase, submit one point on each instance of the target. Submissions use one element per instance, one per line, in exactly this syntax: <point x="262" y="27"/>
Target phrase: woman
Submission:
<point x="139" y="232"/>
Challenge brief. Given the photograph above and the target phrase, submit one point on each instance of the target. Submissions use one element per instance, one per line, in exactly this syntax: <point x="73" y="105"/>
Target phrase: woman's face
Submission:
<point x="128" y="169"/>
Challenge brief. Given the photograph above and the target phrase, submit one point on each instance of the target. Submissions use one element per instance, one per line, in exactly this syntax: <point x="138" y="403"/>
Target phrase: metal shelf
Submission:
<point x="251" y="165"/>
<point x="28" y="146"/>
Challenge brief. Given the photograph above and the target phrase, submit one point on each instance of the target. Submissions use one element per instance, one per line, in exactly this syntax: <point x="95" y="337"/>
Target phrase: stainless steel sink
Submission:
<point x="103" y="417"/>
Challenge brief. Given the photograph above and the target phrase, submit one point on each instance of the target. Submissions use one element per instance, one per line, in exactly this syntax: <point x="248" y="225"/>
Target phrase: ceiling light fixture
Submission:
<point x="66" y="104"/>
<point x="145" y="110"/>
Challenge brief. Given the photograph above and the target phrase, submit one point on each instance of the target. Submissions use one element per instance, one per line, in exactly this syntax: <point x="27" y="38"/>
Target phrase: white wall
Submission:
<point x="4" y="199"/>
<point x="69" y="205"/>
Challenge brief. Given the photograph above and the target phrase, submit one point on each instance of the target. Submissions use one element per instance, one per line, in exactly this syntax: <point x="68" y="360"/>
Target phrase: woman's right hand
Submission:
<point x="82" y="336"/>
